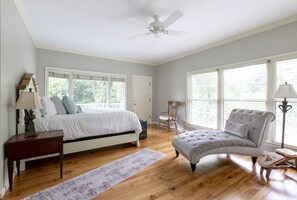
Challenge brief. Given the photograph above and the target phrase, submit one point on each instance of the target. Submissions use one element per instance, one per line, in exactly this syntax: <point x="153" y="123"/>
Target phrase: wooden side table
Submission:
<point x="20" y="147"/>
<point x="278" y="160"/>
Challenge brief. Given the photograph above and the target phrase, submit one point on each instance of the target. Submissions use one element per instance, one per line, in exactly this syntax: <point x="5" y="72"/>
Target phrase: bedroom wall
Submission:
<point x="171" y="77"/>
<point x="18" y="55"/>
<point x="81" y="62"/>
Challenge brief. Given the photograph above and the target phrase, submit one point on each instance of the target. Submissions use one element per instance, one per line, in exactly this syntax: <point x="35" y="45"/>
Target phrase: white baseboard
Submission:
<point x="2" y="192"/>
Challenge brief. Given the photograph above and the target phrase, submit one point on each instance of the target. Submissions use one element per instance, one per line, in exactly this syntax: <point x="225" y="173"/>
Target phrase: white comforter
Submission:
<point x="99" y="122"/>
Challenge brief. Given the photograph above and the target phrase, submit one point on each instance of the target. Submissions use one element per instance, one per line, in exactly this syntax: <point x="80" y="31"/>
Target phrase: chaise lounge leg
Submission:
<point x="254" y="160"/>
<point x="176" y="152"/>
<point x="193" y="166"/>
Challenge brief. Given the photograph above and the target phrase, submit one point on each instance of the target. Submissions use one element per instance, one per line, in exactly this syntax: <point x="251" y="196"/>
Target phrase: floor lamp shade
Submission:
<point x="285" y="91"/>
<point x="28" y="101"/>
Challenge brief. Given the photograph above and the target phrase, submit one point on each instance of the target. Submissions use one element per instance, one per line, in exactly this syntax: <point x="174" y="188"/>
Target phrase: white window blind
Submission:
<point x="286" y="71"/>
<point x="203" y="96"/>
<point x="245" y="87"/>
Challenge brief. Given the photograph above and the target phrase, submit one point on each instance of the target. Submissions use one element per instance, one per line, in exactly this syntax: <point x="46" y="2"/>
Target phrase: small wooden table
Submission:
<point x="20" y="147"/>
<point x="278" y="160"/>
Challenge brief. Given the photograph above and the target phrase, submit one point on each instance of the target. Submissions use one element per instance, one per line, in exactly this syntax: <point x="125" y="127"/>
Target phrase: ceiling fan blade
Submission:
<point x="172" y="18"/>
<point x="175" y="33"/>
<point x="139" y="35"/>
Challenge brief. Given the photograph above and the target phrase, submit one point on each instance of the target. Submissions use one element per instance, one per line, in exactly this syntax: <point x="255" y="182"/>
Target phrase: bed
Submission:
<point x="87" y="130"/>
<point x="92" y="125"/>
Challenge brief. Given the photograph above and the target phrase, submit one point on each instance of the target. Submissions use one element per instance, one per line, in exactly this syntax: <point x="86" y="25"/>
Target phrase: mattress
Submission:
<point x="90" y="123"/>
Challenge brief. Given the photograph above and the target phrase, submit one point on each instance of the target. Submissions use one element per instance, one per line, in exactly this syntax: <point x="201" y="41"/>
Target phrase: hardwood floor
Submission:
<point x="216" y="176"/>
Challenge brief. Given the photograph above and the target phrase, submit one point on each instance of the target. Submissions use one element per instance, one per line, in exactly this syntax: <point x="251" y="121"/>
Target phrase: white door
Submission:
<point x="142" y="97"/>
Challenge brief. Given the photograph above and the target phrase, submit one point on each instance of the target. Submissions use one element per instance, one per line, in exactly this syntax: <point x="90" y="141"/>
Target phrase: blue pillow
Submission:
<point x="59" y="105"/>
<point x="70" y="105"/>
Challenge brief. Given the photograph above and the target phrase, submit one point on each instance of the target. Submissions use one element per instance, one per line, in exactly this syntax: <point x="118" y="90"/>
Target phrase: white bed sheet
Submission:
<point x="91" y="123"/>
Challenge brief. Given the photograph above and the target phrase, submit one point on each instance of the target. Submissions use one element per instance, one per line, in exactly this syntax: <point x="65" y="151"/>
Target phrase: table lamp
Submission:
<point x="28" y="101"/>
<point x="285" y="91"/>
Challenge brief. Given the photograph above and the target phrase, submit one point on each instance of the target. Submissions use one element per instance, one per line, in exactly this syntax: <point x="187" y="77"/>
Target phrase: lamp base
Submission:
<point x="32" y="134"/>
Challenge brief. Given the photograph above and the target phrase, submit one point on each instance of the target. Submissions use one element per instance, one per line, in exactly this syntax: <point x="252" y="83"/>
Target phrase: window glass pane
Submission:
<point x="90" y="94"/>
<point x="204" y="113"/>
<point x="286" y="71"/>
<point x="203" y="99"/>
<point x="245" y="88"/>
<point x="117" y="95"/>
<point x="246" y="83"/>
<point x="58" y="87"/>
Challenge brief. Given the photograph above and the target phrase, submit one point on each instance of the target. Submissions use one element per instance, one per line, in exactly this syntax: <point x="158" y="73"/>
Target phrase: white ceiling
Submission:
<point x="101" y="28"/>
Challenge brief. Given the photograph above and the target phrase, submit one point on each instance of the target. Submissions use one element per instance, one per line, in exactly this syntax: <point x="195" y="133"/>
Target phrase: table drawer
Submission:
<point x="27" y="150"/>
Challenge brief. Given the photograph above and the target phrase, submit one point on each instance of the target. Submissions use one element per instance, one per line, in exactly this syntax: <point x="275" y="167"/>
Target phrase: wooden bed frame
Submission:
<point x="73" y="146"/>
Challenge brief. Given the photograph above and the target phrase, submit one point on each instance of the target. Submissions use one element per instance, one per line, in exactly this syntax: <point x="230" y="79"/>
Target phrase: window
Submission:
<point x="286" y="71"/>
<point x="203" y="99"/>
<point x="244" y="87"/>
<point x="58" y="84"/>
<point x="91" y="90"/>
<point x="212" y="96"/>
<point x="117" y="92"/>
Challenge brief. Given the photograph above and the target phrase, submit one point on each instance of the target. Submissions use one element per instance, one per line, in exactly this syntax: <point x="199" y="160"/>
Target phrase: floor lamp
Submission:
<point x="285" y="91"/>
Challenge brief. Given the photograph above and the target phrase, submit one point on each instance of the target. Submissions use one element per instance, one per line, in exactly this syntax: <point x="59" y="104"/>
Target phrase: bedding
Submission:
<point x="91" y="123"/>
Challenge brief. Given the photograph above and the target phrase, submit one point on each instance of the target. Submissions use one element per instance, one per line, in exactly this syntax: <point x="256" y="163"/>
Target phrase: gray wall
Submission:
<point x="171" y="77"/>
<point x="75" y="61"/>
<point x="18" y="55"/>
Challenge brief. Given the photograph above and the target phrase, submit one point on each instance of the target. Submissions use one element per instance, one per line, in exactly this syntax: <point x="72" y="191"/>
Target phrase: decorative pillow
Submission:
<point x="48" y="109"/>
<point x="79" y="109"/>
<point x="237" y="129"/>
<point x="59" y="105"/>
<point x="70" y="105"/>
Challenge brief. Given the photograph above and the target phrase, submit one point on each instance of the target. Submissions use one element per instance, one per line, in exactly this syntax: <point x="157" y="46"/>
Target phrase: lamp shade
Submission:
<point x="285" y="91"/>
<point x="28" y="100"/>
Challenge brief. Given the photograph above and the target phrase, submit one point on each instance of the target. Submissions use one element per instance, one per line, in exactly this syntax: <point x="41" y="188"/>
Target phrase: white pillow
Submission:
<point x="48" y="109"/>
<point x="237" y="129"/>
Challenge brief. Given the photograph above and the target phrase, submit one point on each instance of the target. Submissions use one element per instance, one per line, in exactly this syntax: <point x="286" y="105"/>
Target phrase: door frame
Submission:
<point x="151" y="94"/>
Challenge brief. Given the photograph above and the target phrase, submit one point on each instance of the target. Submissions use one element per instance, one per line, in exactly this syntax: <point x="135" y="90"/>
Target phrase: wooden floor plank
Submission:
<point x="216" y="176"/>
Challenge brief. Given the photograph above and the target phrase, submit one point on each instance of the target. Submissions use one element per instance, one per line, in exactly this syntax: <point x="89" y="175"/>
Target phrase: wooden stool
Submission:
<point x="278" y="160"/>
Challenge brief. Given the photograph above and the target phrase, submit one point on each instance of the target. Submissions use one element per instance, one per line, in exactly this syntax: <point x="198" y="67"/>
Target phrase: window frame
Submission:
<point x="271" y="88"/>
<point x="89" y="73"/>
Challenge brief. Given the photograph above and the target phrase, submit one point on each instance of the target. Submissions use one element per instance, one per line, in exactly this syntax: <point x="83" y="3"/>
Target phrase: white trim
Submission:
<point x="151" y="93"/>
<point x="3" y="191"/>
<point x="26" y="21"/>
<point x="207" y="47"/>
<point x="234" y="38"/>
<point x="46" y="47"/>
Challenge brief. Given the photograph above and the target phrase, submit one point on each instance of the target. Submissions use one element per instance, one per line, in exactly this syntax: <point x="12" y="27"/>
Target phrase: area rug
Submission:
<point x="92" y="183"/>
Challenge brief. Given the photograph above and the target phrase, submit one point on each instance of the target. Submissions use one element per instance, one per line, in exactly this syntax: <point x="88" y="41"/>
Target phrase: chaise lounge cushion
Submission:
<point x="195" y="142"/>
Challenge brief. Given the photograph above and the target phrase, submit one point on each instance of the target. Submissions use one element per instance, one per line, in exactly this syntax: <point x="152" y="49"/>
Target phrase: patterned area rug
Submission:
<point x="92" y="183"/>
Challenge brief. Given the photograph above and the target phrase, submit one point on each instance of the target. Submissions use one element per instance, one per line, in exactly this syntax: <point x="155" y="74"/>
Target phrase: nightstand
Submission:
<point x="143" y="133"/>
<point x="20" y="147"/>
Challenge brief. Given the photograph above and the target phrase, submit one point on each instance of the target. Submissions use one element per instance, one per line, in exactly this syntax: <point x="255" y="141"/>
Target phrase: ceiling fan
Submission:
<point x="157" y="27"/>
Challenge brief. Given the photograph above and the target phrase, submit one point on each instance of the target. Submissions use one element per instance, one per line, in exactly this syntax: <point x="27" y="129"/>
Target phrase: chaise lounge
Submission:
<point x="245" y="133"/>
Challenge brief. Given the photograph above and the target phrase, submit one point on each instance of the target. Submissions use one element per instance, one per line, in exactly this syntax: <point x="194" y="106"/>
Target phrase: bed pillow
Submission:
<point x="237" y="129"/>
<point x="48" y="109"/>
<point x="79" y="109"/>
<point x="59" y="105"/>
<point x="70" y="105"/>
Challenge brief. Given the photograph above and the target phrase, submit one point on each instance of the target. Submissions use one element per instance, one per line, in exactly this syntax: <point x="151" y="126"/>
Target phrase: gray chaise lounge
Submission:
<point x="245" y="133"/>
